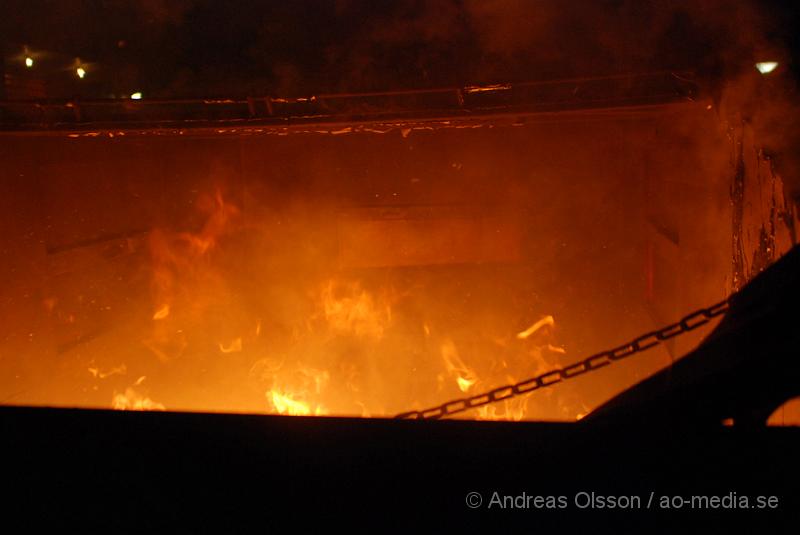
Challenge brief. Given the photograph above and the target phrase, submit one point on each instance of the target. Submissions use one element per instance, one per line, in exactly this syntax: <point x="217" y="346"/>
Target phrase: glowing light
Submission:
<point x="547" y="320"/>
<point x="136" y="96"/>
<point x="465" y="377"/>
<point x="29" y="62"/>
<point x="132" y="400"/>
<point x="766" y="67"/>
<point x="349" y="309"/>
<point x="464" y="384"/>
<point x="118" y="370"/>
<point x="81" y="72"/>
<point x="161" y="313"/>
<point x="284" y="404"/>
<point x="234" y="347"/>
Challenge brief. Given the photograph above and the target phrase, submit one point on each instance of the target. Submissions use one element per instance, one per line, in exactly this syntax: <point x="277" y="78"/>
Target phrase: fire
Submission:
<point x="513" y="409"/>
<point x="235" y="346"/>
<point x="284" y="404"/>
<point x="465" y="384"/>
<point x="294" y="389"/>
<point x="334" y="341"/>
<point x="350" y="309"/>
<point x="117" y="370"/>
<point x="464" y="376"/>
<point x="178" y="257"/>
<point x="185" y="284"/>
<point x="162" y="312"/>
<point x="133" y="400"/>
<point x="545" y="321"/>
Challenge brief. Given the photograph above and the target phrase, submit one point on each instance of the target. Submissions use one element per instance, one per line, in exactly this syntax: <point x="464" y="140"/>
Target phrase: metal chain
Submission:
<point x="594" y="362"/>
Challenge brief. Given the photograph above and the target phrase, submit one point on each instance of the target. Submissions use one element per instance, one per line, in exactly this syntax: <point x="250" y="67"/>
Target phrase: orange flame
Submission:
<point x="350" y="309"/>
<point x="286" y="404"/>
<point x="545" y="321"/>
<point x="341" y="326"/>
<point x="465" y="377"/>
<point x="235" y="346"/>
<point x="162" y="312"/>
<point x="117" y="370"/>
<point x="133" y="400"/>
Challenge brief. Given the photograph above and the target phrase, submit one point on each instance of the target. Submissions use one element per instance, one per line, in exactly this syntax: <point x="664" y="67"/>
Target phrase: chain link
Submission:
<point x="589" y="364"/>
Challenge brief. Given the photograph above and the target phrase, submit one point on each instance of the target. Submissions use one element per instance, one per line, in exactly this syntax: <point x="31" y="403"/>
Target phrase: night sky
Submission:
<point x="181" y="48"/>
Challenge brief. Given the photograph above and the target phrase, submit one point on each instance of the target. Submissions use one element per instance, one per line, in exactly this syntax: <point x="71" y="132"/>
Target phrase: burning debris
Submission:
<point x="395" y="234"/>
<point x="133" y="399"/>
<point x="278" y="296"/>
<point x="545" y="321"/>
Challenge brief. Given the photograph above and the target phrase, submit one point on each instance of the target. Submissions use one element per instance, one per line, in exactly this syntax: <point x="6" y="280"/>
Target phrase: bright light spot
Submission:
<point x="234" y="347"/>
<point x="162" y="312"/>
<point x="137" y="95"/>
<point x="29" y="62"/>
<point x="81" y="72"/>
<point x="766" y="67"/>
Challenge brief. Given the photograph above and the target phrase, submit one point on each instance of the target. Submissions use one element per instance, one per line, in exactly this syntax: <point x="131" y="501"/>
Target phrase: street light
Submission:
<point x="766" y="67"/>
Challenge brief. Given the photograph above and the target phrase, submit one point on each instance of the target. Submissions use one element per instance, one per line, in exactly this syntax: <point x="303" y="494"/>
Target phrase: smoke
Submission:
<point x="413" y="43"/>
<point x="202" y="48"/>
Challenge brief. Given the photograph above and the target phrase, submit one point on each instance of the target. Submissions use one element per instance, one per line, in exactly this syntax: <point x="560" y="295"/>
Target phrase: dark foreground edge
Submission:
<point x="125" y="471"/>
